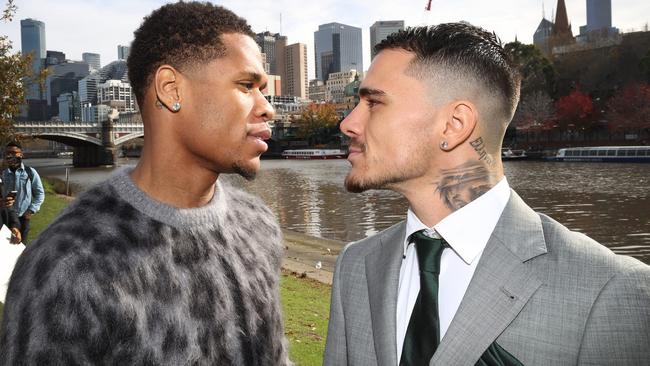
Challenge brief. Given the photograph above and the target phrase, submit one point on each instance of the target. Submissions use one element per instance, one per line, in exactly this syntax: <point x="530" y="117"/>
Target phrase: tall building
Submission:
<point x="116" y="94"/>
<point x="599" y="14"/>
<point x="32" y="40"/>
<point x="54" y="58"/>
<point x="88" y="89"/>
<point x="337" y="47"/>
<point x="273" y="46"/>
<point x="317" y="90"/>
<point x="335" y="85"/>
<point x="68" y="106"/>
<point x="542" y="35"/>
<point x="92" y="59"/>
<point x="381" y="30"/>
<point x="295" y="80"/>
<point x="123" y="52"/>
<point x="599" y="21"/>
<point x="63" y="78"/>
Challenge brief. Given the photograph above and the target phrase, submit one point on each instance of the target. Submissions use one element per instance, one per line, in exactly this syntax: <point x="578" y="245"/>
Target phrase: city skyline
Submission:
<point x="100" y="26"/>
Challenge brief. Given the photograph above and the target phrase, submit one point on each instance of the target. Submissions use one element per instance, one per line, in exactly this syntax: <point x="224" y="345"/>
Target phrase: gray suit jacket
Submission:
<point x="547" y="295"/>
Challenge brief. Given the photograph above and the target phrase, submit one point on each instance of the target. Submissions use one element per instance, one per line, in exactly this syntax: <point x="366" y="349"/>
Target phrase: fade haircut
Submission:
<point x="181" y="35"/>
<point x="462" y="61"/>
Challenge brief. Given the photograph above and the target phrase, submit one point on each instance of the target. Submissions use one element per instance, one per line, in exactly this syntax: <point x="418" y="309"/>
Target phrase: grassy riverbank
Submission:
<point x="305" y="302"/>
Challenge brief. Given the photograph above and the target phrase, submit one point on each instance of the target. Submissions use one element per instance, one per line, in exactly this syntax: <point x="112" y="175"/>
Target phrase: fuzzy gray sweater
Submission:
<point x="121" y="279"/>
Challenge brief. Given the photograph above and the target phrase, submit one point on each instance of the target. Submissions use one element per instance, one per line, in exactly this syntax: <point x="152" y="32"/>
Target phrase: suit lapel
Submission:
<point x="382" y="272"/>
<point x="501" y="286"/>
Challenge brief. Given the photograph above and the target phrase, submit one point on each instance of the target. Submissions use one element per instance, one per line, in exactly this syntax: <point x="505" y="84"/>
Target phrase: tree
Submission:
<point x="644" y="66"/>
<point x="574" y="109"/>
<point x="630" y="108"/>
<point x="537" y="72"/>
<point x="15" y="72"/>
<point x="534" y="110"/>
<point x="316" y="122"/>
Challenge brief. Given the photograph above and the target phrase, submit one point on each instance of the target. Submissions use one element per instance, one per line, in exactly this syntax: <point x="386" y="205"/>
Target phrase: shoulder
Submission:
<point x="587" y="263"/>
<point x="358" y="250"/>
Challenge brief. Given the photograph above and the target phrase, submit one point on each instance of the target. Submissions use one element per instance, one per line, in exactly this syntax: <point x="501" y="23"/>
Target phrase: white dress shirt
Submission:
<point x="467" y="231"/>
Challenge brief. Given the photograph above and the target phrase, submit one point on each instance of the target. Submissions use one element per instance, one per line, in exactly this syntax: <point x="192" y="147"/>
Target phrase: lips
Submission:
<point x="260" y="131"/>
<point x="257" y="133"/>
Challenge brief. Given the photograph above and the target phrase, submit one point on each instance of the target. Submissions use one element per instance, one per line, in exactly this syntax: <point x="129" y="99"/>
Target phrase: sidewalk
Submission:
<point x="303" y="252"/>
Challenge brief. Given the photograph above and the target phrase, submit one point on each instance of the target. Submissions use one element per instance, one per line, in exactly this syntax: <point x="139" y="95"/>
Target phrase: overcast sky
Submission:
<point x="77" y="26"/>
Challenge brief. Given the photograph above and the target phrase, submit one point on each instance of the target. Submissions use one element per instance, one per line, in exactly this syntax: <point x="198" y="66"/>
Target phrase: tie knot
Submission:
<point x="429" y="251"/>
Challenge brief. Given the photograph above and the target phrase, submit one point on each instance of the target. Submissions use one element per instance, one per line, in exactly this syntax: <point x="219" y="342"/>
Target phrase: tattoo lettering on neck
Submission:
<point x="460" y="186"/>
<point x="479" y="147"/>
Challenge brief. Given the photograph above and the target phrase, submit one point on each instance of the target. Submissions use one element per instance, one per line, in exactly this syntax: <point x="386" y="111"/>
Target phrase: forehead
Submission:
<point x="14" y="149"/>
<point x="242" y="53"/>
<point x="388" y="71"/>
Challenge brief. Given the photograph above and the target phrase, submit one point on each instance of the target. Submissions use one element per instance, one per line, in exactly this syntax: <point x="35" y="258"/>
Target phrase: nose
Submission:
<point x="264" y="109"/>
<point x="352" y="125"/>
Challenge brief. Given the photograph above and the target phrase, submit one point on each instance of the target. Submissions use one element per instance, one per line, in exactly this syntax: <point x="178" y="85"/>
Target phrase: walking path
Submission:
<point x="304" y="255"/>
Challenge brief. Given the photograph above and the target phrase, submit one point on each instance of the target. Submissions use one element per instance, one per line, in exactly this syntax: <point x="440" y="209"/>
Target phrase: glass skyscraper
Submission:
<point x="337" y="48"/>
<point x="32" y="39"/>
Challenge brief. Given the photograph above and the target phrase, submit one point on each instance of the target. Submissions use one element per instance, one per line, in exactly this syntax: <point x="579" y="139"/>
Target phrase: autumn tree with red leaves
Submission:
<point x="574" y="109"/>
<point x="629" y="109"/>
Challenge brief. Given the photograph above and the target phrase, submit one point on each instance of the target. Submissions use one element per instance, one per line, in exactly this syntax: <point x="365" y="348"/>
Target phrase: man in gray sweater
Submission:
<point x="162" y="264"/>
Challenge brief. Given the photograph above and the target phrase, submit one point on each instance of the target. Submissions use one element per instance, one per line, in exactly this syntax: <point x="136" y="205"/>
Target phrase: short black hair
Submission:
<point x="14" y="144"/>
<point x="180" y="34"/>
<point x="470" y="50"/>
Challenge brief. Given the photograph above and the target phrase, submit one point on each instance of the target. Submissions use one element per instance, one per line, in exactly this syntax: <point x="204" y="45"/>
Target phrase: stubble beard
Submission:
<point x="247" y="173"/>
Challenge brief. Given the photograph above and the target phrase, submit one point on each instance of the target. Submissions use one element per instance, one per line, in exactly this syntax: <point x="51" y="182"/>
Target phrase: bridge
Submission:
<point x="94" y="143"/>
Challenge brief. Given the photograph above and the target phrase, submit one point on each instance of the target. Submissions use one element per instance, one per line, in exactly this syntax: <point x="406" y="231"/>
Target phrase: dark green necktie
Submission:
<point x="423" y="332"/>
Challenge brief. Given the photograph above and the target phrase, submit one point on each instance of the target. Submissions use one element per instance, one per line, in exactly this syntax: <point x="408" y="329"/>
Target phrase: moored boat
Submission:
<point x="621" y="154"/>
<point x="510" y="154"/>
<point x="314" y="154"/>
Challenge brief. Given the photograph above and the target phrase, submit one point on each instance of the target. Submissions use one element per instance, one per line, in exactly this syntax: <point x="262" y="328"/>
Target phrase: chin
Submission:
<point x="247" y="170"/>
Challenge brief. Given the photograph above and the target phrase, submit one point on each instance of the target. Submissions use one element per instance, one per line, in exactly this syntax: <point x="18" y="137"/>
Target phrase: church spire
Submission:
<point x="562" y="27"/>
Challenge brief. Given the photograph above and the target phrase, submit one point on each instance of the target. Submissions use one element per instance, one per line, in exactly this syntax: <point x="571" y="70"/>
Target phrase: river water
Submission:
<point x="608" y="202"/>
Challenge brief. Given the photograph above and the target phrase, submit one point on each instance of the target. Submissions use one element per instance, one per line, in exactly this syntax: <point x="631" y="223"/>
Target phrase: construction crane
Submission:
<point x="428" y="7"/>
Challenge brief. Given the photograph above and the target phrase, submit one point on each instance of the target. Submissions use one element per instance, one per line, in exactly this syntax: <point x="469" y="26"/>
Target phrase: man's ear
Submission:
<point x="167" y="82"/>
<point x="461" y="120"/>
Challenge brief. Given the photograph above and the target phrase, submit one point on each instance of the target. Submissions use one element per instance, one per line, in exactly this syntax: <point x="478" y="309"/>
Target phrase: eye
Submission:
<point x="246" y="85"/>
<point x="372" y="103"/>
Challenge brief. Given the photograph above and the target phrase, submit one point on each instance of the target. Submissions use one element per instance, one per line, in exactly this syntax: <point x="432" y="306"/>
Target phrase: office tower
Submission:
<point x="68" y="106"/>
<point x="381" y="30"/>
<point x="599" y="14"/>
<point x="337" y="47"/>
<point x="116" y="94"/>
<point x="92" y="59"/>
<point x="317" y="90"/>
<point x="335" y="85"/>
<point x="32" y="39"/>
<point x="63" y="78"/>
<point x="273" y="85"/>
<point x="54" y="58"/>
<point x="542" y="35"/>
<point x="273" y="46"/>
<point x="295" y="80"/>
<point x="123" y="52"/>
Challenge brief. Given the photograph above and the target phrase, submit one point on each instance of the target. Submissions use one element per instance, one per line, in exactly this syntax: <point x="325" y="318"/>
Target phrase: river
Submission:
<point x="606" y="201"/>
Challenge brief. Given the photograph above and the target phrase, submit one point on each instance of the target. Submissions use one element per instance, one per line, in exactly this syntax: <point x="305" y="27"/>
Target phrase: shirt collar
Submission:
<point x="481" y="215"/>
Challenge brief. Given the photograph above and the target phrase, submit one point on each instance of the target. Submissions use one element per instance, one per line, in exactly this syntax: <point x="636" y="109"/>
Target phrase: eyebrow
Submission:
<point x="367" y="92"/>
<point x="253" y="76"/>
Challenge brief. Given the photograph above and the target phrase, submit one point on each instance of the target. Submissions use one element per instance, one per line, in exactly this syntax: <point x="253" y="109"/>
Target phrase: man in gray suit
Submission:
<point x="473" y="276"/>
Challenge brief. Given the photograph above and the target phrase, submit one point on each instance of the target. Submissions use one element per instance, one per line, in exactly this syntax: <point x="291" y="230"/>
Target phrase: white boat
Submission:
<point x="626" y="154"/>
<point x="510" y="154"/>
<point x="314" y="154"/>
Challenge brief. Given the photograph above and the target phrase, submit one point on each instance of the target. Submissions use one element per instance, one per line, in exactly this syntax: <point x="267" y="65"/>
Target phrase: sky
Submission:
<point x="98" y="26"/>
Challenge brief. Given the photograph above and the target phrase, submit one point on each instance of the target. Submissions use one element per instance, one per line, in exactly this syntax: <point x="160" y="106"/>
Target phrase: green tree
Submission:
<point x="15" y="74"/>
<point x="537" y="72"/>
<point x="316" y="122"/>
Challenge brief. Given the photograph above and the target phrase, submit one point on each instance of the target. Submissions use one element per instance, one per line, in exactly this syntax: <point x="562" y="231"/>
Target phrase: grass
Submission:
<point x="305" y="302"/>
<point x="51" y="207"/>
<point x="306" y="305"/>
